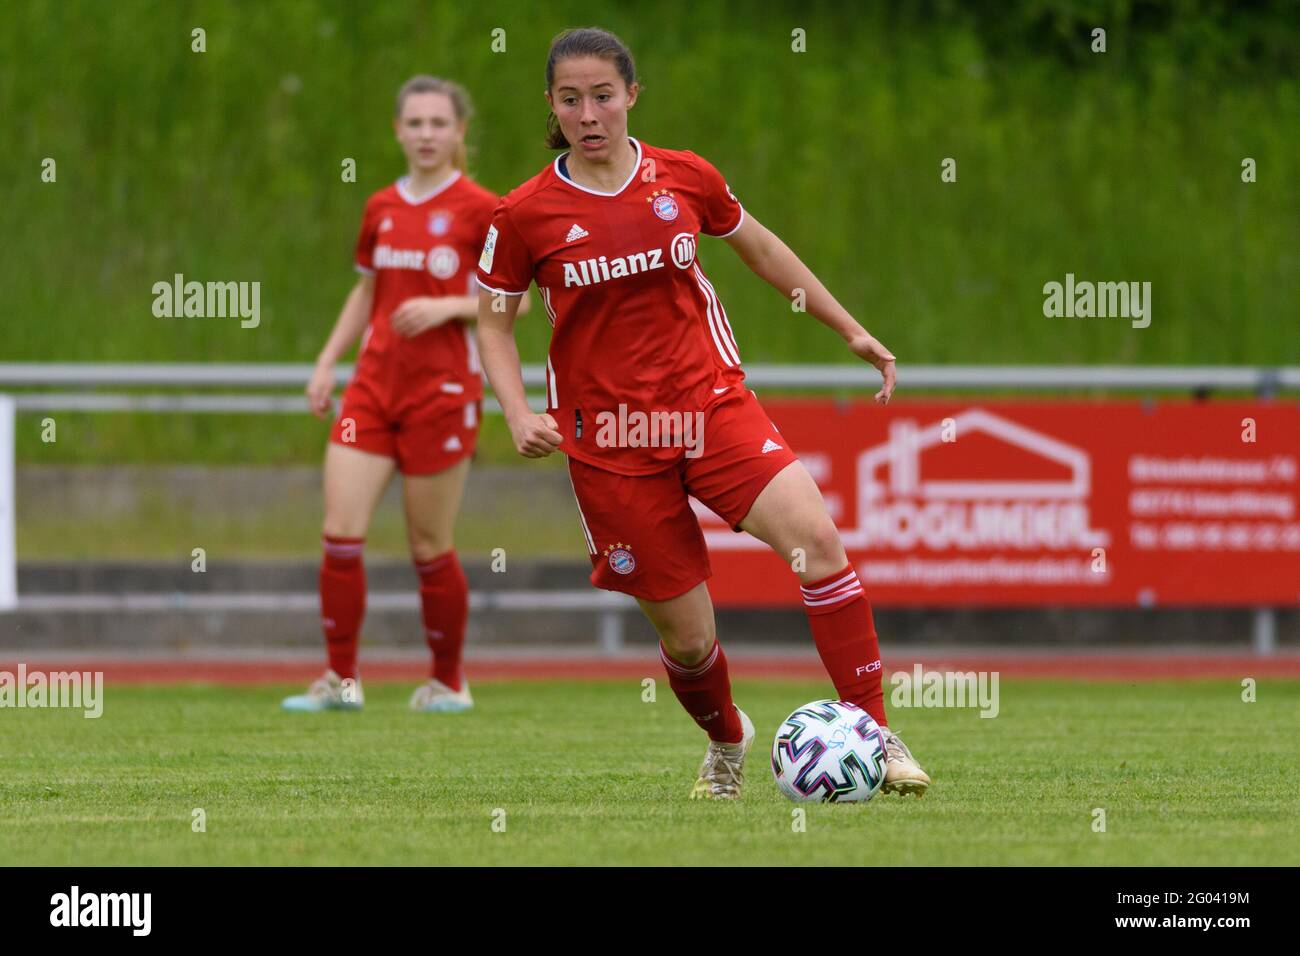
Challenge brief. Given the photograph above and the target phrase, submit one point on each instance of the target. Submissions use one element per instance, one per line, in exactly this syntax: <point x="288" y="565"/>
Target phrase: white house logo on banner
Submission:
<point x="903" y="509"/>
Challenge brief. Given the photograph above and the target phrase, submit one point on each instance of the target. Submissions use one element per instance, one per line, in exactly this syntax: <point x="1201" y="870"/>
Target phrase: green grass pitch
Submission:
<point x="588" y="773"/>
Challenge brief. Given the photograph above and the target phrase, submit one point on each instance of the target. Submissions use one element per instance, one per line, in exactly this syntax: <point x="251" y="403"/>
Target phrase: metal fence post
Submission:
<point x="611" y="631"/>
<point x="1264" y="631"/>
<point x="8" y="509"/>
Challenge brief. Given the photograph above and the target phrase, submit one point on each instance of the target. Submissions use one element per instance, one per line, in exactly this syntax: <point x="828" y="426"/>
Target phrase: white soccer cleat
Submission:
<point x="435" y="697"/>
<point x="903" y="775"/>
<point x="723" y="772"/>
<point x="330" y="692"/>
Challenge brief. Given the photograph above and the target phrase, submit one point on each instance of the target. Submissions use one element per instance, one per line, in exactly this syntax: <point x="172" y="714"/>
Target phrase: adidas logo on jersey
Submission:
<point x="770" y="445"/>
<point x="452" y="444"/>
<point x="577" y="232"/>
<point x="386" y="225"/>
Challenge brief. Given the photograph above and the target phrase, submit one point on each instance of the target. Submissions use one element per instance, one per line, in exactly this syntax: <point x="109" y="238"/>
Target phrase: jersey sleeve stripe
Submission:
<point x="362" y="269"/>
<point x="471" y="350"/>
<point x="586" y="532"/>
<point x="714" y="327"/>
<point x="724" y="235"/>
<point x="484" y="285"/>
<point x="722" y="315"/>
<point x="546" y="301"/>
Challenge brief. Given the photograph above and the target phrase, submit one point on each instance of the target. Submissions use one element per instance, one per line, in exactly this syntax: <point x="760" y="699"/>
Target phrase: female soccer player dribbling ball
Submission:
<point x="608" y="233"/>
<point x="415" y="400"/>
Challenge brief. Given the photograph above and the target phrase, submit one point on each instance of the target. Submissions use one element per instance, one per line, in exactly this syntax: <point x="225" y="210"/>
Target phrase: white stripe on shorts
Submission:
<point x="586" y="532"/>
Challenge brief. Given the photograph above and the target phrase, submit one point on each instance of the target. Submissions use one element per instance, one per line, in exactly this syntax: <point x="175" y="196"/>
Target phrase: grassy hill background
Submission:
<point x="225" y="165"/>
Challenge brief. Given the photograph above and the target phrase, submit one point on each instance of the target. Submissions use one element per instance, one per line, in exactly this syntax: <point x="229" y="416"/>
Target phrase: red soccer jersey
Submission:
<point x="635" y="321"/>
<point x="418" y="246"/>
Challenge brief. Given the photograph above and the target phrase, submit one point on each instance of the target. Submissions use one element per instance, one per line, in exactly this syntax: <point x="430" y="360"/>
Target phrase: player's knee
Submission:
<point x="427" y="546"/>
<point x="823" y="543"/>
<point x="689" y="647"/>
<point x="342" y="526"/>
<point x="426" y="553"/>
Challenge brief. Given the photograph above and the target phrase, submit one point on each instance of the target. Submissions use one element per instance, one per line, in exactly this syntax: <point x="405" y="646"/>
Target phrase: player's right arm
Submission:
<point x="347" y="329"/>
<point x="535" y="435"/>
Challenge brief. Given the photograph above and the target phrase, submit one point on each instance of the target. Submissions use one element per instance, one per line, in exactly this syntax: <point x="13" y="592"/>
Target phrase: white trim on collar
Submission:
<point x="416" y="200"/>
<point x="596" y="192"/>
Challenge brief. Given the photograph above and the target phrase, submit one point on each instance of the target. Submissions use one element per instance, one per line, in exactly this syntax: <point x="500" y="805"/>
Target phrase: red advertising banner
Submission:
<point x="1019" y="503"/>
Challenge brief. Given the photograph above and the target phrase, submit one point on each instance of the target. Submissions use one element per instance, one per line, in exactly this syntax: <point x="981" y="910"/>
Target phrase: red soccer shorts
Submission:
<point x="424" y="431"/>
<point x="642" y="536"/>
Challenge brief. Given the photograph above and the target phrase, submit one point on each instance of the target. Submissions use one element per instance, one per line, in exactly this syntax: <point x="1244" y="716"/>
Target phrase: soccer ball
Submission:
<point x="829" y="750"/>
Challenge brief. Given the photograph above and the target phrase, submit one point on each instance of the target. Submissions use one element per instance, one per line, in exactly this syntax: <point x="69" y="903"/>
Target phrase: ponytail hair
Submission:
<point x="460" y="103"/>
<point x="586" y="41"/>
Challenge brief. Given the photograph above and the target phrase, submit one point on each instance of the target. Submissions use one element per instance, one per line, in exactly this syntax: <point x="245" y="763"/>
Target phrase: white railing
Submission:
<point x="85" y="377"/>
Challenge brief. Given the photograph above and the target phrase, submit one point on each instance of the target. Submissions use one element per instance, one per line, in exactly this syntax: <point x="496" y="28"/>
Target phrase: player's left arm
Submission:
<point x="423" y="312"/>
<point x="773" y="261"/>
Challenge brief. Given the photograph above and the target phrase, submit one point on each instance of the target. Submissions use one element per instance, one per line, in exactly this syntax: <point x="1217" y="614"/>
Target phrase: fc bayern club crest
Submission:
<point x="439" y="222"/>
<point x="663" y="204"/>
<point x="620" y="558"/>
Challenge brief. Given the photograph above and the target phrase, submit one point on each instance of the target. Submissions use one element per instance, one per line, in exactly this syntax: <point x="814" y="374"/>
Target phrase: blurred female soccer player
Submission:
<point x="413" y="405"/>
<point x="608" y="232"/>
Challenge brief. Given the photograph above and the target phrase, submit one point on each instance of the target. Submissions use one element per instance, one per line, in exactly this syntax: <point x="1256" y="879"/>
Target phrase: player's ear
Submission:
<point x="632" y="92"/>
